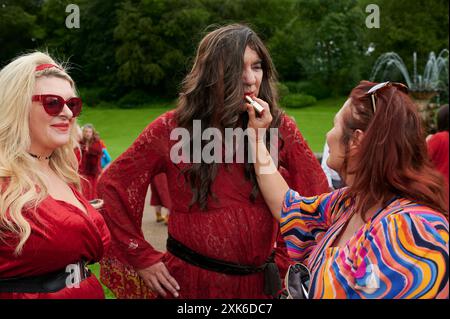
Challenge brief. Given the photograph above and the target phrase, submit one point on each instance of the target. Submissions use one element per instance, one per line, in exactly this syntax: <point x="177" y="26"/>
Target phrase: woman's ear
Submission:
<point x="357" y="138"/>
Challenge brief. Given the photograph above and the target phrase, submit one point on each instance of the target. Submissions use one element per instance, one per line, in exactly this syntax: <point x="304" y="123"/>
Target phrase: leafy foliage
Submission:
<point x="296" y="101"/>
<point x="319" y="47"/>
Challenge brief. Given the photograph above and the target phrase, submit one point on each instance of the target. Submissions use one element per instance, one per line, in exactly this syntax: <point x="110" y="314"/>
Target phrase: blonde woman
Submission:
<point x="48" y="231"/>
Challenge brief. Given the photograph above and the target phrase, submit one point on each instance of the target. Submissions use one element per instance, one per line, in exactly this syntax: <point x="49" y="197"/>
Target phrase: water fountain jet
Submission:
<point x="423" y="87"/>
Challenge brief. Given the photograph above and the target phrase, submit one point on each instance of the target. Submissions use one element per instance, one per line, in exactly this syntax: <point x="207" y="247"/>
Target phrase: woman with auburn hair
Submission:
<point x="48" y="231"/>
<point x="221" y="233"/>
<point x="386" y="234"/>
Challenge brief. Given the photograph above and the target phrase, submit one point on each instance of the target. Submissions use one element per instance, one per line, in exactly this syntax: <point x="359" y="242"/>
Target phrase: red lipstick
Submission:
<point x="64" y="127"/>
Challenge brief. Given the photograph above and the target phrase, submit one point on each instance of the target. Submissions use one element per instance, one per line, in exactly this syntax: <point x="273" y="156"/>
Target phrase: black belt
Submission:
<point x="272" y="283"/>
<point x="71" y="276"/>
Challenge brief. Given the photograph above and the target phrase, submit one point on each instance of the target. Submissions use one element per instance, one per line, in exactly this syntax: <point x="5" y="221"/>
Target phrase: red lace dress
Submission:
<point x="160" y="192"/>
<point x="90" y="168"/>
<point x="61" y="234"/>
<point x="232" y="229"/>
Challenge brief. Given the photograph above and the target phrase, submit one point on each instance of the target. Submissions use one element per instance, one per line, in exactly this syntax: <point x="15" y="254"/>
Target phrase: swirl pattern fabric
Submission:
<point x="402" y="252"/>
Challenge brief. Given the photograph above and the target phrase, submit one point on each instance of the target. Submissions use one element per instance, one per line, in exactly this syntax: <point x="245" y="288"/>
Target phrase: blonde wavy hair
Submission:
<point x="22" y="186"/>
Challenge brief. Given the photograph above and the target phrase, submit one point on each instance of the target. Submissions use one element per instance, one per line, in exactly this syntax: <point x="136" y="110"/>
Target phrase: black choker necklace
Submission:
<point x="40" y="157"/>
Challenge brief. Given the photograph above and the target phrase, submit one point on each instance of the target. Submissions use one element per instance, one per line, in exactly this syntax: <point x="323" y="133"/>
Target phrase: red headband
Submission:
<point x="46" y="66"/>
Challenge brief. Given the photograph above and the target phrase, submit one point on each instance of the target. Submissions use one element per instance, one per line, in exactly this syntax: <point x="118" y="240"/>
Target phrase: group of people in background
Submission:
<point x="94" y="157"/>
<point x="234" y="230"/>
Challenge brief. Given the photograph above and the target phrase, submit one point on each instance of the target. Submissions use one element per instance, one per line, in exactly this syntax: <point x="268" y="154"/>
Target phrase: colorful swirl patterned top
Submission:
<point x="402" y="252"/>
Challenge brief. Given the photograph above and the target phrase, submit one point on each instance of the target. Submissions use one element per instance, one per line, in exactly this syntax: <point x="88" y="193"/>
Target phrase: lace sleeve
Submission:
<point x="305" y="173"/>
<point x="123" y="187"/>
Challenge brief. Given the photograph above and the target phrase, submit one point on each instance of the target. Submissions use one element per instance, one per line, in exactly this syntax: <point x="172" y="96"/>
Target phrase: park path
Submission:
<point x="155" y="233"/>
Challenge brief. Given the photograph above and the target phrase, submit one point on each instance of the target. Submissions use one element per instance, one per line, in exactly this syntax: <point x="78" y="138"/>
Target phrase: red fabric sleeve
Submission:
<point x="77" y="152"/>
<point x="123" y="187"/>
<point x="302" y="172"/>
<point x="438" y="146"/>
<point x="305" y="173"/>
<point x="155" y="200"/>
<point x="281" y="255"/>
<point x="160" y="192"/>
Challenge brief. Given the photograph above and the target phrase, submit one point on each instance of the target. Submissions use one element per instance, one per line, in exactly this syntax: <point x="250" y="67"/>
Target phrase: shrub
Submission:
<point x="134" y="99"/>
<point x="283" y="90"/>
<point x="296" y="101"/>
<point x="106" y="105"/>
<point x="93" y="96"/>
<point x="294" y="87"/>
<point x="314" y="88"/>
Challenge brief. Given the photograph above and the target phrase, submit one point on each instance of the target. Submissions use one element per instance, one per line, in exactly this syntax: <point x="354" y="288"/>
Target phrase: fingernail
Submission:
<point x="176" y="295"/>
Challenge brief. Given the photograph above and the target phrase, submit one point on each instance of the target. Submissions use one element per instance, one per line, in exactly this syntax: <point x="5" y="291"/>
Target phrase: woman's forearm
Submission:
<point x="272" y="185"/>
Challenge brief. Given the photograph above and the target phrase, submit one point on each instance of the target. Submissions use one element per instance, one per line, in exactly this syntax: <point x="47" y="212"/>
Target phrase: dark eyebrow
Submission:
<point x="257" y="62"/>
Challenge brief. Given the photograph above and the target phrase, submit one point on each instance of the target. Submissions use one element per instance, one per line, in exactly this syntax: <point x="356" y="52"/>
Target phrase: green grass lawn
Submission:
<point x="315" y="121"/>
<point x="95" y="269"/>
<point x="120" y="127"/>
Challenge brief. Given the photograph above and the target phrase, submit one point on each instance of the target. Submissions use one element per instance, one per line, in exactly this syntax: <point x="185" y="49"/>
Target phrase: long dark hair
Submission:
<point x="213" y="93"/>
<point x="392" y="157"/>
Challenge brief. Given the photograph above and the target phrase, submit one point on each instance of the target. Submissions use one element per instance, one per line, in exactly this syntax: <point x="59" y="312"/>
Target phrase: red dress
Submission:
<point x="77" y="152"/>
<point x="160" y="192"/>
<point x="90" y="168"/>
<point x="63" y="235"/>
<point x="232" y="229"/>
<point x="438" y="152"/>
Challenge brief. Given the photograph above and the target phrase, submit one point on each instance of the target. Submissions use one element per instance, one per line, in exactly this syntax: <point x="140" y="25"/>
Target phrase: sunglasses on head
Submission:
<point x="373" y="90"/>
<point x="54" y="104"/>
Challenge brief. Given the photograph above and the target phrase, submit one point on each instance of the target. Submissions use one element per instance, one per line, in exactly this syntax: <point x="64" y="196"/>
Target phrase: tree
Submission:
<point x="148" y="45"/>
<point x="158" y="38"/>
<point x="19" y="30"/>
<point x="408" y="26"/>
<point x="331" y="44"/>
<point x="155" y="40"/>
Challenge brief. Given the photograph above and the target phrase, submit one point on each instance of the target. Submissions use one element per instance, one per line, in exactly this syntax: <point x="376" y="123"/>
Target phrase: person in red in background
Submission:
<point x="160" y="197"/>
<point x="90" y="167"/>
<point x="438" y="143"/>
<point x="222" y="235"/>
